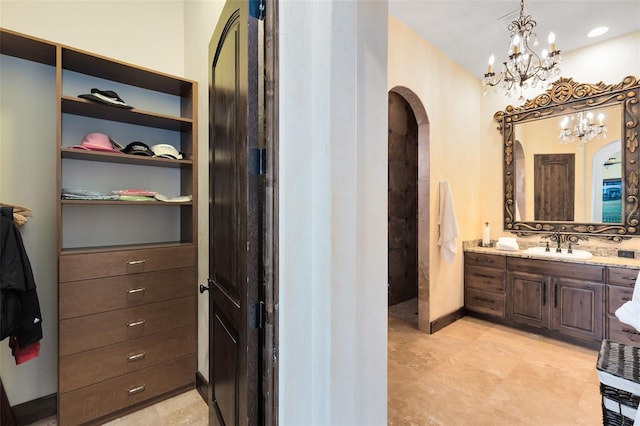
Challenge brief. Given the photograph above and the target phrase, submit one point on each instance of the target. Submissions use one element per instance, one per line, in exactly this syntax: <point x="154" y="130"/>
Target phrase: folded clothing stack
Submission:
<point x="84" y="194"/>
<point x="136" y="195"/>
<point x="122" y="195"/>
<point x="629" y="312"/>
<point x="507" y="243"/>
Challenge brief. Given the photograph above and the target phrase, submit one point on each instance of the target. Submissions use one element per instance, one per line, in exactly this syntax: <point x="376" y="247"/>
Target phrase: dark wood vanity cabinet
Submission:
<point x="620" y="282"/>
<point x="529" y="299"/>
<point x="578" y="308"/>
<point x="563" y="297"/>
<point x="484" y="284"/>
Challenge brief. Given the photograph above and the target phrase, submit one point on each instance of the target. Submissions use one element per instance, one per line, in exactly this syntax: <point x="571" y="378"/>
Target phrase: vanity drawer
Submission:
<point x="593" y="273"/>
<point x="616" y="296"/>
<point x="106" y="294"/>
<point x="484" y="302"/>
<point x="622" y="333"/>
<point x="483" y="278"/>
<point x="97" y="330"/>
<point x="623" y="276"/>
<point x="84" y="266"/>
<point x="481" y="259"/>
<point x="97" y="365"/>
<point x="95" y="401"/>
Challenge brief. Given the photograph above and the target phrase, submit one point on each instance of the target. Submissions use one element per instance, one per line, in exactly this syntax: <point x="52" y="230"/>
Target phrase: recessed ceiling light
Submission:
<point x="596" y="32"/>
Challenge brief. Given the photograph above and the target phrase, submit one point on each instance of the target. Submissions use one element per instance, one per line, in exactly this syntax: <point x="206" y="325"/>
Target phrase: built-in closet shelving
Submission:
<point x="127" y="269"/>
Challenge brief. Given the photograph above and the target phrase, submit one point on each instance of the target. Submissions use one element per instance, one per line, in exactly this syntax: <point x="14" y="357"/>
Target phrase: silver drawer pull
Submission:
<point x="135" y="290"/>
<point x="135" y="323"/>
<point x="137" y="389"/>
<point x="136" y="357"/>
<point x="135" y="262"/>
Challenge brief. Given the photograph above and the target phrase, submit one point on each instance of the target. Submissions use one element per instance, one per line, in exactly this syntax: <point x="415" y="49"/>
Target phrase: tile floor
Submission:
<point x="470" y="373"/>
<point x="477" y="373"/>
<point x="184" y="409"/>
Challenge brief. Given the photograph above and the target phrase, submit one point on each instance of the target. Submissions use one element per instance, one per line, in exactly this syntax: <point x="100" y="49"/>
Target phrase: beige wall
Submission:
<point x="149" y="33"/>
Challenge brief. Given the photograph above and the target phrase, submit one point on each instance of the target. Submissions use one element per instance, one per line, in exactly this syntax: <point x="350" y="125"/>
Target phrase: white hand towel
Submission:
<point x="629" y="312"/>
<point x="507" y="243"/>
<point x="448" y="224"/>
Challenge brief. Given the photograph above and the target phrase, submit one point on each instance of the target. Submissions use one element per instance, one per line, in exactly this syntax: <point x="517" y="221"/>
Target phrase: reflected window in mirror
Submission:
<point x="607" y="184"/>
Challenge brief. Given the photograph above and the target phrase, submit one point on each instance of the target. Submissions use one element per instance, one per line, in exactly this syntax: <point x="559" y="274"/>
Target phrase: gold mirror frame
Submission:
<point x="564" y="94"/>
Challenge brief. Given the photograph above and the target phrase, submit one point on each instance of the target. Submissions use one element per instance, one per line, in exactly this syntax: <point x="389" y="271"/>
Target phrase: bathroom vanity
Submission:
<point x="568" y="300"/>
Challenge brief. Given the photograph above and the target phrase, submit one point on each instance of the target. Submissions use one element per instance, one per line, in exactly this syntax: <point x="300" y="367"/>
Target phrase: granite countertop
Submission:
<point x="595" y="260"/>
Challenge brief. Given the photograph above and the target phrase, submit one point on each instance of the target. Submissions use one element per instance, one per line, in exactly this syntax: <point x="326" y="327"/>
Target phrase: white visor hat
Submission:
<point x="165" y="150"/>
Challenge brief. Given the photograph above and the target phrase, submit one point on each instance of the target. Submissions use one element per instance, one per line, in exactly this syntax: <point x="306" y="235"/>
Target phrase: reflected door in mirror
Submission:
<point x="554" y="186"/>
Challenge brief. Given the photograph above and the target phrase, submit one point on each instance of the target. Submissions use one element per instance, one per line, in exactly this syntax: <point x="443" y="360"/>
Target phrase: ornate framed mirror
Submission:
<point x="571" y="161"/>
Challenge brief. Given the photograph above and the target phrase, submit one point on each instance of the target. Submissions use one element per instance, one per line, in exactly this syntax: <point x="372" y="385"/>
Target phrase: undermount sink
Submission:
<point x="541" y="251"/>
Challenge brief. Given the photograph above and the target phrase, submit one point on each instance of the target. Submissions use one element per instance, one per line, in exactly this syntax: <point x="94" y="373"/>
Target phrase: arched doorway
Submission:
<point x="408" y="209"/>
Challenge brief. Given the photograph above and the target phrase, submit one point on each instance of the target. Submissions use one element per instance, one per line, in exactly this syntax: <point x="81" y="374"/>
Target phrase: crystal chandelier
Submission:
<point x="583" y="127"/>
<point x="524" y="67"/>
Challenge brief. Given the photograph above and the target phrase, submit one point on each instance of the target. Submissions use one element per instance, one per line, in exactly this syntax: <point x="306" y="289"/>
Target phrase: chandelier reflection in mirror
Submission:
<point x="582" y="127"/>
<point x="524" y="68"/>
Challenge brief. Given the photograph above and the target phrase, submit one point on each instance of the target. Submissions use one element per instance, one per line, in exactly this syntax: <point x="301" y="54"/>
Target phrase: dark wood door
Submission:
<point x="234" y="233"/>
<point x="529" y="299"/>
<point x="578" y="308"/>
<point x="554" y="187"/>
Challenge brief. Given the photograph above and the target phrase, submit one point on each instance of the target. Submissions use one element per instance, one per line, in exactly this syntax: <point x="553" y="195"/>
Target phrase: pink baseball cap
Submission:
<point x="99" y="142"/>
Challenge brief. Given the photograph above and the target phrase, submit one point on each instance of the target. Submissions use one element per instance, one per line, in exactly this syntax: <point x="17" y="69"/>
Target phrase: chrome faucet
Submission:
<point x="558" y="249"/>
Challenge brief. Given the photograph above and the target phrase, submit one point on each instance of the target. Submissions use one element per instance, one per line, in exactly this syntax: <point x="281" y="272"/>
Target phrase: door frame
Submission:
<point x="271" y="213"/>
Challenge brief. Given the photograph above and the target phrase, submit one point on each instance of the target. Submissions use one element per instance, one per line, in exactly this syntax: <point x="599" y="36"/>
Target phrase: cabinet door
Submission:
<point x="529" y="299"/>
<point x="578" y="308"/>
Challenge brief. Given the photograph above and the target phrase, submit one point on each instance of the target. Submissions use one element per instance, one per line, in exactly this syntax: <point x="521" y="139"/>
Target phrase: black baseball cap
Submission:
<point x="138" y="148"/>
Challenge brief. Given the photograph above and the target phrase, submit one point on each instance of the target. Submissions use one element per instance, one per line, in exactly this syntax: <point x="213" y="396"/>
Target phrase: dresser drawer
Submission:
<point x="484" y="302"/>
<point x="482" y="278"/>
<point x="622" y="333"/>
<point x="617" y="296"/>
<point x="622" y="276"/>
<point x="480" y="259"/>
<point x="97" y="365"/>
<point x="84" y="266"/>
<point x="106" y="294"/>
<point x="92" y="402"/>
<point x="97" y="330"/>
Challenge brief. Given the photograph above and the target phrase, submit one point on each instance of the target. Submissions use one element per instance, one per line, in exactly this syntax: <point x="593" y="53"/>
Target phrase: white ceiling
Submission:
<point x="470" y="31"/>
